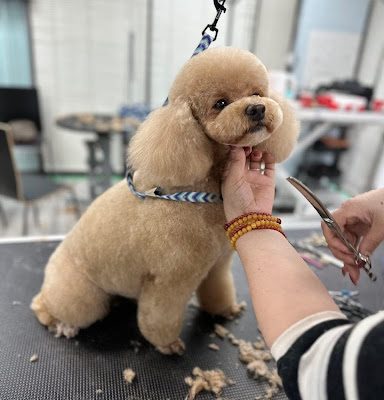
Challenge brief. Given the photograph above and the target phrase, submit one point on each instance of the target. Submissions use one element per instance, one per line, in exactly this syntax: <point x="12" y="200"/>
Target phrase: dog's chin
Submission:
<point x="256" y="128"/>
<point x="253" y="136"/>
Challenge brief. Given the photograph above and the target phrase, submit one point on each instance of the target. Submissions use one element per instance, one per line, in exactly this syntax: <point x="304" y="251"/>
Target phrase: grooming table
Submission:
<point x="91" y="365"/>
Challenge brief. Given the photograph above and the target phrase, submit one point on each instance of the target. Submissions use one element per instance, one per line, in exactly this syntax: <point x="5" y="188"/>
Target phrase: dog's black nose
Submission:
<point x="255" y="112"/>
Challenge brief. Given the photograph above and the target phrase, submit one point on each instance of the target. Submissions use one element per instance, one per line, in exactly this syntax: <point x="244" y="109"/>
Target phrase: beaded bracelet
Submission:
<point x="261" y="224"/>
<point x="248" y="222"/>
<point x="228" y="224"/>
<point x="249" y="218"/>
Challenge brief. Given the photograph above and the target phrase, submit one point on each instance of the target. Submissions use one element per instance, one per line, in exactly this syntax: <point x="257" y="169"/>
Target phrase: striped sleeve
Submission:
<point x="324" y="356"/>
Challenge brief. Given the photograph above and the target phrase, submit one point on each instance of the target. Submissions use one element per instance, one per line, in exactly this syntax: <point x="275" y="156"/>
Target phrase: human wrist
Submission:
<point x="233" y="213"/>
<point x="260" y="236"/>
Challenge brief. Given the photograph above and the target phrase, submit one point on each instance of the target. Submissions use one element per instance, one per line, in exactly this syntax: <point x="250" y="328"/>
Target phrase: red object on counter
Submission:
<point x="306" y="100"/>
<point x="378" y="105"/>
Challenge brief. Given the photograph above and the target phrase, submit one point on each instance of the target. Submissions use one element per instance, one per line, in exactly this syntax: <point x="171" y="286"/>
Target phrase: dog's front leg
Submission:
<point x="160" y="314"/>
<point x="216" y="293"/>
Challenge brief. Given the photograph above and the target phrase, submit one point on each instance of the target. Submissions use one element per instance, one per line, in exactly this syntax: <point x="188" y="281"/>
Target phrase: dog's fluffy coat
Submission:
<point x="159" y="252"/>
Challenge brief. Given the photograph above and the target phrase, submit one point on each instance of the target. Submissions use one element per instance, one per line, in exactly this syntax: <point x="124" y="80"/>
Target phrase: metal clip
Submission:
<point x="220" y="9"/>
<point x="154" y="192"/>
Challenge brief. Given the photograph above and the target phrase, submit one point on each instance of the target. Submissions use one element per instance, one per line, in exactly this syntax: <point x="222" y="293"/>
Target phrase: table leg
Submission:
<point x="92" y="164"/>
<point x="3" y="216"/>
<point x="106" y="168"/>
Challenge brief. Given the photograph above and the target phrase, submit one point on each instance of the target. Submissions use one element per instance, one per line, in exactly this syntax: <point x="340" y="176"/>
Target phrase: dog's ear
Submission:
<point x="282" y="141"/>
<point x="170" y="148"/>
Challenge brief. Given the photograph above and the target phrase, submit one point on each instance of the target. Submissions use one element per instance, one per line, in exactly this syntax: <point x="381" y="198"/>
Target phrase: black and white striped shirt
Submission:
<point x="326" y="357"/>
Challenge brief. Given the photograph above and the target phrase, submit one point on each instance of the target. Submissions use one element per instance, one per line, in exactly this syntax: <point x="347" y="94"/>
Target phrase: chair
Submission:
<point x="21" y="105"/>
<point x="26" y="188"/>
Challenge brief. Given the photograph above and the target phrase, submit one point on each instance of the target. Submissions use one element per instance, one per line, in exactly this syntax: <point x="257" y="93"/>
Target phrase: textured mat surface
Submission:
<point x="90" y="366"/>
<point x="92" y="362"/>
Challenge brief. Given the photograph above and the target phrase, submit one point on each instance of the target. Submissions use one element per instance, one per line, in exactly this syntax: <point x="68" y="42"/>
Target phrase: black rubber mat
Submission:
<point x="90" y="366"/>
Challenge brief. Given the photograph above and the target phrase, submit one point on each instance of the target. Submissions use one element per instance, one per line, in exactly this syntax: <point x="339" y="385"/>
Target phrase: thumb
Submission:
<point x="370" y="241"/>
<point x="236" y="163"/>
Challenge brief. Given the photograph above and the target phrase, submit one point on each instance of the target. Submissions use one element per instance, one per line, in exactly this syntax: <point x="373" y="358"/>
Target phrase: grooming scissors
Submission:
<point x="333" y="225"/>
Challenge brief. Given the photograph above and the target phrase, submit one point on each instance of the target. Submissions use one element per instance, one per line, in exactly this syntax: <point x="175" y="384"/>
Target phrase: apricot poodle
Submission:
<point x="158" y="251"/>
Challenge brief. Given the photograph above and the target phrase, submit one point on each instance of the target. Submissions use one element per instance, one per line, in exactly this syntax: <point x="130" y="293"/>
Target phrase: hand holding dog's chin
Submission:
<point x="244" y="188"/>
<point x="242" y="201"/>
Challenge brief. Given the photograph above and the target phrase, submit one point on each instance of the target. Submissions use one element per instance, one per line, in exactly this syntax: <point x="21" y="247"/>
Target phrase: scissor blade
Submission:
<point x="321" y="209"/>
<point x="330" y="221"/>
<point x="312" y="198"/>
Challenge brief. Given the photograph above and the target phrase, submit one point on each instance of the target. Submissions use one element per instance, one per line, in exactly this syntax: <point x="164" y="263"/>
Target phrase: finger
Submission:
<point x="333" y="240"/>
<point x="269" y="162"/>
<point x="329" y="236"/>
<point x="346" y="258"/>
<point x="354" y="273"/>
<point x="346" y="269"/>
<point x="369" y="242"/>
<point x="351" y="237"/>
<point x="236" y="163"/>
<point x="339" y="246"/>
<point x="247" y="150"/>
<point x="255" y="160"/>
<point x="268" y="158"/>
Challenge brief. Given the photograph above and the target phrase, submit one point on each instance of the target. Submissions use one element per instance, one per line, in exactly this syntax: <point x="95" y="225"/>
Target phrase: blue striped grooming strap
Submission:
<point x="205" y="42"/>
<point x="191" y="197"/>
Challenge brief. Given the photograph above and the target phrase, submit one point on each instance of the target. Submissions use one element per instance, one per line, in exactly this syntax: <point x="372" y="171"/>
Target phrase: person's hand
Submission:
<point x="362" y="221"/>
<point x="245" y="188"/>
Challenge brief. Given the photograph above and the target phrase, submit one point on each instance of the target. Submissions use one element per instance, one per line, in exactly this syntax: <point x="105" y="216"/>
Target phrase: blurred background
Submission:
<point x="78" y="76"/>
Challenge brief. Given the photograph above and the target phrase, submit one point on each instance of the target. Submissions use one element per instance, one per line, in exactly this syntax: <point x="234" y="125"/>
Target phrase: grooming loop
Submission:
<point x="156" y="193"/>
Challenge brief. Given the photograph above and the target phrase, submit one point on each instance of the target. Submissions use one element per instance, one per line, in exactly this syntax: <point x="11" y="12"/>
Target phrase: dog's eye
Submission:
<point x="220" y="104"/>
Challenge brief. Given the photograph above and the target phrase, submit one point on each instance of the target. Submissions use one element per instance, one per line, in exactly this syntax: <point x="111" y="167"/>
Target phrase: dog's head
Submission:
<point x="220" y="97"/>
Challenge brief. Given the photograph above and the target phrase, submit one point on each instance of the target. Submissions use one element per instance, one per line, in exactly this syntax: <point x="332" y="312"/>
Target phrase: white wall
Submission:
<point x="374" y="47"/>
<point x="81" y="56"/>
<point x="80" y="52"/>
<point x="363" y="166"/>
<point x="373" y="53"/>
<point x="177" y="28"/>
<point x="176" y="33"/>
<point x="274" y="33"/>
<point x="329" y="33"/>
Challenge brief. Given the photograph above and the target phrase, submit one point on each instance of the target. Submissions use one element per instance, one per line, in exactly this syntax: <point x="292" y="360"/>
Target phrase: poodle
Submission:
<point x="158" y="251"/>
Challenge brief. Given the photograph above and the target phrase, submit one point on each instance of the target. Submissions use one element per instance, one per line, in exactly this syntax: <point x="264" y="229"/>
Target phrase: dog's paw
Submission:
<point x="62" y="329"/>
<point x="235" y="310"/>
<point x="42" y="314"/>
<point x="177" y="347"/>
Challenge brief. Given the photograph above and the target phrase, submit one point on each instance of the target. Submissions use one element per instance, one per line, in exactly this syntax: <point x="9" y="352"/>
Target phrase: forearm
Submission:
<point x="283" y="289"/>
